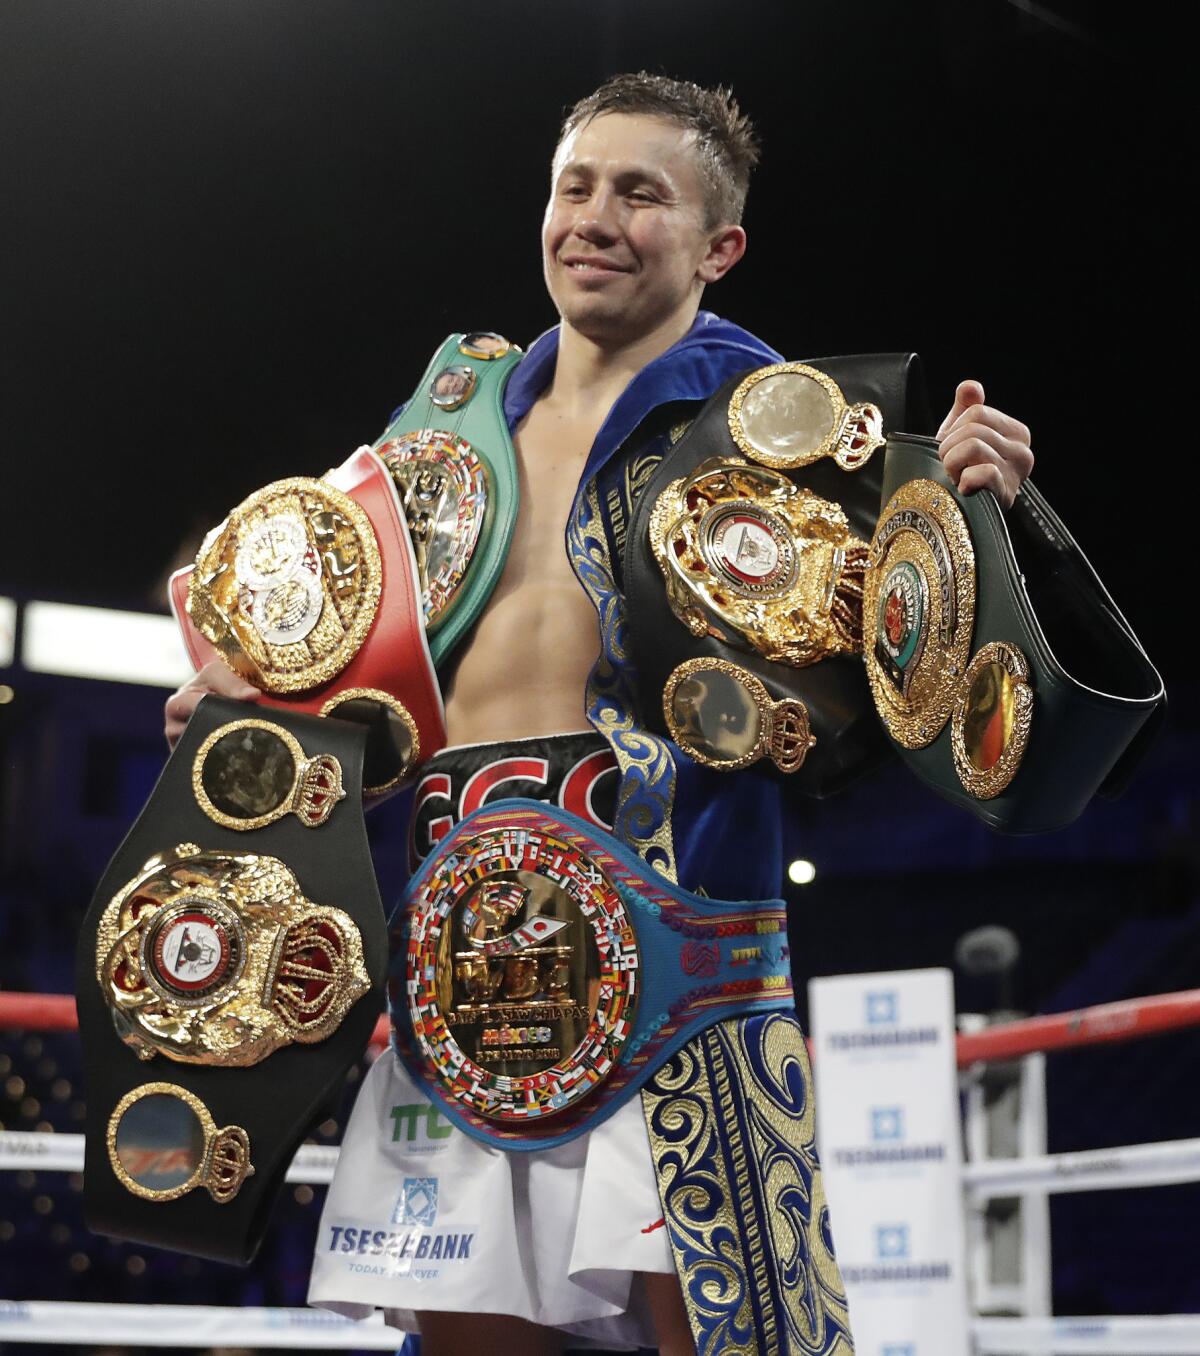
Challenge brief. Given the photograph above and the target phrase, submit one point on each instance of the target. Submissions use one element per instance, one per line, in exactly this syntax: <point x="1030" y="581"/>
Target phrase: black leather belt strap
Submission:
<point x="1096" y="697"/>
<point x="277" y="1098"/>
<point x="848" y="740"/>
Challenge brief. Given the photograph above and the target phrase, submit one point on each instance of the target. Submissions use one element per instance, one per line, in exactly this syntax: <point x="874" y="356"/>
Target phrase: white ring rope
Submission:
<point x="204" y="1325"/>
<point x="187" y="1325"/>
<point x="36" y="1151"/>
<point x="1143" y="1334"/>
<point x="1131" y="1165"/>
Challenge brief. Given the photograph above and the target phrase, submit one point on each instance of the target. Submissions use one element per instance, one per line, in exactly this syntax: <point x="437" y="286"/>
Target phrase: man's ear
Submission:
<point x="725" y="248"/>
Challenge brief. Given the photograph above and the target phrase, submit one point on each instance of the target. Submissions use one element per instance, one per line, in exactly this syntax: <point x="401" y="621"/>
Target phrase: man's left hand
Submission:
<point x="983" y="448"/>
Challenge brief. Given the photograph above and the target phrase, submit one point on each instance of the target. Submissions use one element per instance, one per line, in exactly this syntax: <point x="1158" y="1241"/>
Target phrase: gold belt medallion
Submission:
<point x="789" y="415"/>
<point x="920" y="606"/>
<point x="249" y="773"/>
<point x="216" y="958"/>
<point x="163" y="1143"/>
<point x="443" y="486"/>
<point x="723" y="716"/>
<point x="744" y="550"/>
<point x="288" y="586"/>
<point x="521" y="973"/>
<point x="992" y="718"/>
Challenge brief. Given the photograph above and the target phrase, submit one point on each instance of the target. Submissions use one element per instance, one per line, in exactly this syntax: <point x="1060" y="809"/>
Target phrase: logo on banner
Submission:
<point x="887" y="1122"/>
<point x="417" y="1202"/>
<point x="889" y="1146"/>
<point x="891" y="1241"/>
<point x="419" y="1125"/>
<point x="881" y="1029"/>
<point x="898" y="1349"/>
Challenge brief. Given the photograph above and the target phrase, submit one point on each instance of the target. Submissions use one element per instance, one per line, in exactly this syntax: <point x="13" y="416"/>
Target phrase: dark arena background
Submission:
<point x="231" y="233"/>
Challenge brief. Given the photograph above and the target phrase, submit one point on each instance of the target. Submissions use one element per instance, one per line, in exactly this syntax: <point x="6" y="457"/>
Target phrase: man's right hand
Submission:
<point x="214" y="677"/>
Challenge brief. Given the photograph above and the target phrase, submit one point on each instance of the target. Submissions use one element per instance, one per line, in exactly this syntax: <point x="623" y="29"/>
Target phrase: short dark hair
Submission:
<point x="725" y="136"/>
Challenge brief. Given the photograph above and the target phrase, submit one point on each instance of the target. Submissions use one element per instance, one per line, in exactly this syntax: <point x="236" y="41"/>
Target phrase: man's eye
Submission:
<point x="641" y="196"/>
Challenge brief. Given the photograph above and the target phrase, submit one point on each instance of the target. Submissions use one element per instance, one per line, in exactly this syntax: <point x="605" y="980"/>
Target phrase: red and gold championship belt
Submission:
<point x="310" y="591"/>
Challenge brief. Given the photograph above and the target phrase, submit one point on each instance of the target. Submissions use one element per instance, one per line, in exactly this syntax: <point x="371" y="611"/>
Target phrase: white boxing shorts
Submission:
<point x="422" y="1216"/>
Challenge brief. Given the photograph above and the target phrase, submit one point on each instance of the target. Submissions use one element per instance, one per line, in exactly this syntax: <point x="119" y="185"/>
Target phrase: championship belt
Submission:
<point x="745" y="566"/>
<point x="999" y="665"/>
<point x="309" y="591"/>
<point x="229" y="971"/>
<point x="541" y="972"/>
<point x="451" y="457"/>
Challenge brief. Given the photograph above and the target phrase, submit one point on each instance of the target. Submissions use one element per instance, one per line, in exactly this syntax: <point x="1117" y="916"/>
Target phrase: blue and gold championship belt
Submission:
<point x="541" y="973"/>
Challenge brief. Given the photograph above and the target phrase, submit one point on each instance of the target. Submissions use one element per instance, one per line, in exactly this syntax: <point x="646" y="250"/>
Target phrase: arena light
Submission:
<point x="100" y="642"/>
<point x="801" y="872"/>
<point x="8" y="631"/>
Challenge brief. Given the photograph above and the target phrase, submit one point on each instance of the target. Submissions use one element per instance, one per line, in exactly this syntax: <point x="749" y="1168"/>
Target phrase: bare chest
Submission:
<point x="527" y="661"/>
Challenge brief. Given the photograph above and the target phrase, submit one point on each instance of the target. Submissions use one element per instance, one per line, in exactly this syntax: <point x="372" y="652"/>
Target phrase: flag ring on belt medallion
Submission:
<point x="543" y="972"/>
<point x="921" y="580"/>
<point x="309" y="590"/>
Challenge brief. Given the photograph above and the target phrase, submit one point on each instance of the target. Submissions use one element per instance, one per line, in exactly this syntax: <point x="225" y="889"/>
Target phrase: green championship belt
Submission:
<point x="453" y="465"/>
<point x="1002" y="670"/>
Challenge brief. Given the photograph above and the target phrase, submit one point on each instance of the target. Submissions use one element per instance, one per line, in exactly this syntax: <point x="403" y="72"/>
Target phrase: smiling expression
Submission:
<point x="625" y="244"/>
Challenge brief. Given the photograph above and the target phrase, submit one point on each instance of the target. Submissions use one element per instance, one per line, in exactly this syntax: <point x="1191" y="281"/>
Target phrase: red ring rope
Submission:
<point x="1109" y="1022"/>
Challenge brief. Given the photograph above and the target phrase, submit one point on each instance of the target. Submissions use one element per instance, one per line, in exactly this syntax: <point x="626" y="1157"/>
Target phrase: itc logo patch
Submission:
<point x="883" y="1007"/>
<point x="898" y="1349"/>
<point x="417" y="1202"/>
<point x="891" y="1241"/>
<point x="887" y="1122"/>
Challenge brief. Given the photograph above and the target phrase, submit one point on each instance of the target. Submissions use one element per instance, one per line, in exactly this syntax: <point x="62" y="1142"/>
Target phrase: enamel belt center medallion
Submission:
<point x="288" y="586"/>
<point x="443" y="486"/>
<point x="522" y="974"/>
<point x="216" y="958"/>
<point x="920" y="605"/>
<point x="750" y="557"/>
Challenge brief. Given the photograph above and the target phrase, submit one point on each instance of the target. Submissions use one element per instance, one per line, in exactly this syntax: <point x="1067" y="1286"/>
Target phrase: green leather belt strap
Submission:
<point x="1087" y="689"/>
<point x="480" y="421"/>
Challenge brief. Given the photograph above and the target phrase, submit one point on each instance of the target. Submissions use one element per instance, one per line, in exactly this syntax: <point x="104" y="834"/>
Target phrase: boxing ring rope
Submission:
<point x="1099" y="1025"/>
<point x="1134" y="1165"/>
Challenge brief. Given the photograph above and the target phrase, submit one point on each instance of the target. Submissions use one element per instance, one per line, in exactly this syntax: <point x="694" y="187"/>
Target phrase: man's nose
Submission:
<point x="599" y="222"/>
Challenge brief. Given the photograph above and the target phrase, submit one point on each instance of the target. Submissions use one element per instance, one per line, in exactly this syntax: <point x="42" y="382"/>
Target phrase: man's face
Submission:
<point x="624" y="242"/>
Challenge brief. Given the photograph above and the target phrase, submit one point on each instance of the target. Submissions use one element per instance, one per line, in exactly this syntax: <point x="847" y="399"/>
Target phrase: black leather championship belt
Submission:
<point x="793" y="587"/>
<point x="744" y="569"/>
<point x="1002" y="670"/>
<point x="230" y="969"/>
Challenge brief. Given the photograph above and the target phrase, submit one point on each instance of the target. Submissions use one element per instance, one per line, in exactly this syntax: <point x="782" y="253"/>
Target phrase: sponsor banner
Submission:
<point x="888" y="1133"/>
<point x="411" y="1242"/>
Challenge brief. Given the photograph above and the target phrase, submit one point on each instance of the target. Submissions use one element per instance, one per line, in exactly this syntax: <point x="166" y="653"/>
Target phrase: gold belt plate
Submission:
<point x="920" y="611"/>
<point x="522" y="974"/>
<point x="789" y="415"/>
<point x="163" y="1142"/>
<point x="443" y="487"/>
<point x="288" y="586"/>
<point x="216" y="958"/>
<point x="745" y="551"/>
